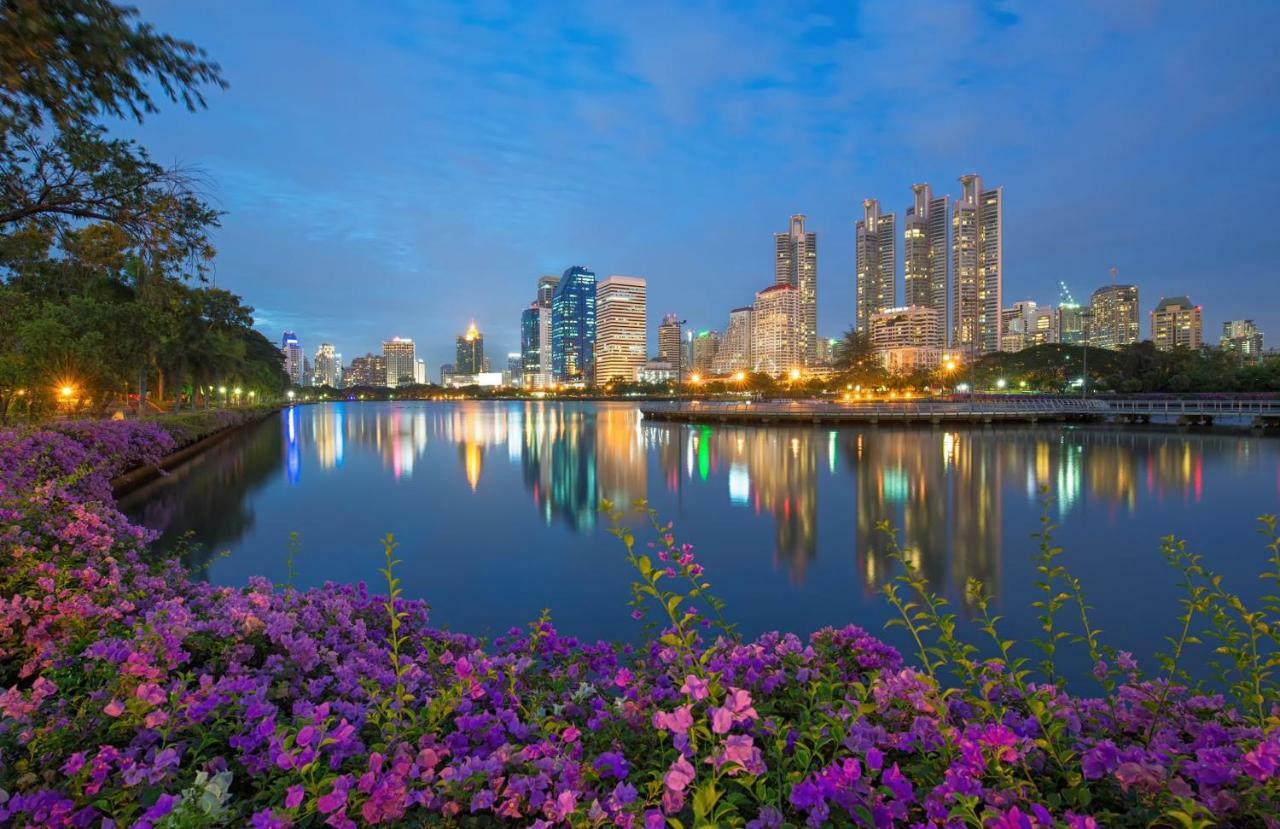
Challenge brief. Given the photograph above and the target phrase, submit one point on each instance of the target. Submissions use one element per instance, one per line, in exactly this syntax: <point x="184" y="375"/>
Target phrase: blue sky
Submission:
<point x="404" y="168"/>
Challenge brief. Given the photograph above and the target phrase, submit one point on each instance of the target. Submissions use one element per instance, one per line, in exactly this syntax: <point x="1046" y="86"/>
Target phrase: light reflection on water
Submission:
<point x="495" y="505"/>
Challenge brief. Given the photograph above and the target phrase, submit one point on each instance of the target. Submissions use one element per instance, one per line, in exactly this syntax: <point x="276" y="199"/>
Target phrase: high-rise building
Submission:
<point x="420" y="371"/>
<point x="546" y="293"/>
<point x="530" y="351"/>
<point x="926" y="255"/>
<point x="1243" y="338"/>
<point x="774" y="348"/>
<point x="1176" y="323"/>
<point x="470" y="352"/>
<point x="706" y="345"/>
<point x="328" y="367"/>
<point x="1113" y="312"/>
<point x="308" y="373"/>
<point x="369" y="370"/>
<point x="514" y="375"/>
<point x="293" y="360"/>
<point x="1025" y="324"/>
<point x="446" y="374"/>
<point x="1070" y="320"/>
<point x="796" y="264"/>
<point x="877" y="263"/>
<point x="670" y="346"/>
<point x="621" y="328"/>
<point x="573" y="327"/>
<point x="735" y="348"/>
<point x="977" y="259"/>
<point x="913" y="326"/>
<point x="399" y="356"/>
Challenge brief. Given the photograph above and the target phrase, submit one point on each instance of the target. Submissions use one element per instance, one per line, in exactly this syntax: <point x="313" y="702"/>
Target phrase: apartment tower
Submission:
<point x="977" y="261"/>
<point x="926" y="256"/>
<point x="796" y="265"/>
<point x="877" y="264"/>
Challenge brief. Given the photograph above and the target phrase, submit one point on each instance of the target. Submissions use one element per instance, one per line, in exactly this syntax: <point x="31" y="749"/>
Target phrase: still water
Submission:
<point x="494" y="505"/>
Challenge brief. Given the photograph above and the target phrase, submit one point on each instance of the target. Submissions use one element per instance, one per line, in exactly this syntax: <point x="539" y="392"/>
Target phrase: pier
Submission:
<point x="1258" y="413"/>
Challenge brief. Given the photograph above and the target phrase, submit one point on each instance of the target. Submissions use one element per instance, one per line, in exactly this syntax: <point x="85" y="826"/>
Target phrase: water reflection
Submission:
<point x="802" y="503"/>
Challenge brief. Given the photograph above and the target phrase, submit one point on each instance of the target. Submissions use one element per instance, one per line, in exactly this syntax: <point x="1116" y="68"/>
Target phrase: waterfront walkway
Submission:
<point x="1260" y="413"/>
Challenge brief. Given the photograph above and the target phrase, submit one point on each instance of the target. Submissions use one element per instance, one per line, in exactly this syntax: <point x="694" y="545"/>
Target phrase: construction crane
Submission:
<point x="1064" y="294"/>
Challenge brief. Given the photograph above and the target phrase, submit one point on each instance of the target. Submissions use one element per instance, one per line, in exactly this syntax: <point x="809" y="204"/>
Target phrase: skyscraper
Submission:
<point x="877" y="264"/>
<point x="546" y="293"/>
<point x="530" y="346"/>
<point x="1114" y="309"/>
<point x="470" y="352"/>
<point x="1070" y="321"/>
<point x="796" y="264"/>
<point x="775" y="348"/>
<point x="706" y="345"/>
<point x="1176" y="323"/>
<point x="670" y="347"/>
<point x="735" y="349"/>
<point x="328" y="367"/>
<point x="926" y="255"/>
<point x="621" y="328"/>
<point x="399" y="357"/>
<point x="977" y="244"/>
<point x="573" y="327"/>
<point x="1243" y="338"/>
<point x="293" y="360"/>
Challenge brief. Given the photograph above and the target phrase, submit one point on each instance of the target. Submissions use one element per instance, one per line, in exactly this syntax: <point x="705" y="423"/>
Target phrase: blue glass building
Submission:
<point x="530" y="345"/>
<point x="573" y="327"/>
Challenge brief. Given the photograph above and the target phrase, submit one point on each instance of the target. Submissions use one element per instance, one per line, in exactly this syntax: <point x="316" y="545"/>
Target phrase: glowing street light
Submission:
<point x="695" y="378"/>
<point x="66" y="392"/>
<point x="290" y="394"/>
<point x="1001" y="383"/>
<point x="795" y="374"/>
<point x="740" y="376"/>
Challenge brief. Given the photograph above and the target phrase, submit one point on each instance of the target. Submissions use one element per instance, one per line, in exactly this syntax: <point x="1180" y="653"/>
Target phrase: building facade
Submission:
<point x="400" y="361"/>
<point x="546" y="293"/>
<point x="1113" y="316"/>
<point x="670" y="344"/>
<point x="1176" y="323"/>
<point x="573" y="327"/>
<point x="796" y="265"/>
<point x="1242" y="337"/>
<point x="291" y="348"/>
<point x="1070" y="321"/>
<point x="912" y="326"/>
<point x="621" y="328"/>
<point x="369" y="370"/>
<point x="775" y="349"/>
<point x="977" y="261"/>
<point x="328" y="366"/>
<point x="706" y="346"/>
<point x="877" y="264"/>
<point x="926" y="254"/>
<point x="530" y="351"/>
<point x="734" y="354"/>
<point x="470" y="352"/>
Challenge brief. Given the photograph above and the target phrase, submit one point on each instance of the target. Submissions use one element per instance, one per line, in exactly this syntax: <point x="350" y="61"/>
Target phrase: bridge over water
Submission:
<point x="1196" y="411"/>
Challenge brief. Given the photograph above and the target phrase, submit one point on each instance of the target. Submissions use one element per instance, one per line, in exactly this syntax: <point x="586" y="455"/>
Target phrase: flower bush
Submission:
<point x="133" y="695"/>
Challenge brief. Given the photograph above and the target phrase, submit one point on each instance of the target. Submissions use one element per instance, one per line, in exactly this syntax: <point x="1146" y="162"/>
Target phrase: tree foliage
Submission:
<point x="66" y="61"/>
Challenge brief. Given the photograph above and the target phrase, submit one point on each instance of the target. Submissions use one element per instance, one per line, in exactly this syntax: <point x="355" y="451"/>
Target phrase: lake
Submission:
<point x="495" y="508"/>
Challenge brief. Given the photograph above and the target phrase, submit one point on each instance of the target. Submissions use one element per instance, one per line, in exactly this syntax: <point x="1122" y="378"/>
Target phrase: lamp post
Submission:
<point x="1086" y="317"/>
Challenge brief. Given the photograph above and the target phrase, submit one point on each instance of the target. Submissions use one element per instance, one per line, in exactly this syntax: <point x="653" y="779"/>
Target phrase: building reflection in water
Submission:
<point x="946" y="491"/>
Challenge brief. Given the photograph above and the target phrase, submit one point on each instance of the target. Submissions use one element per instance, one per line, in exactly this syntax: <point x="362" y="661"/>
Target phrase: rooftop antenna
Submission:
<point x="1114" y="272"/>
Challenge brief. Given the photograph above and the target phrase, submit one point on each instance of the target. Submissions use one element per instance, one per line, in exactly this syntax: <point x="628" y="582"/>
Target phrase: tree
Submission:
<point x="62" y="64"/>
<point x="66" y="61"/>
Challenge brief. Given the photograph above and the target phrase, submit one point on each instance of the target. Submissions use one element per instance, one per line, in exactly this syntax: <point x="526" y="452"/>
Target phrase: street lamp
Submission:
<point x="1001" y="383"/>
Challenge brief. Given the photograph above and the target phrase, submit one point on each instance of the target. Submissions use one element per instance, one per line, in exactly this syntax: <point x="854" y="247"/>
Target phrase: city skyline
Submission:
<point x="775" y="116"/>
